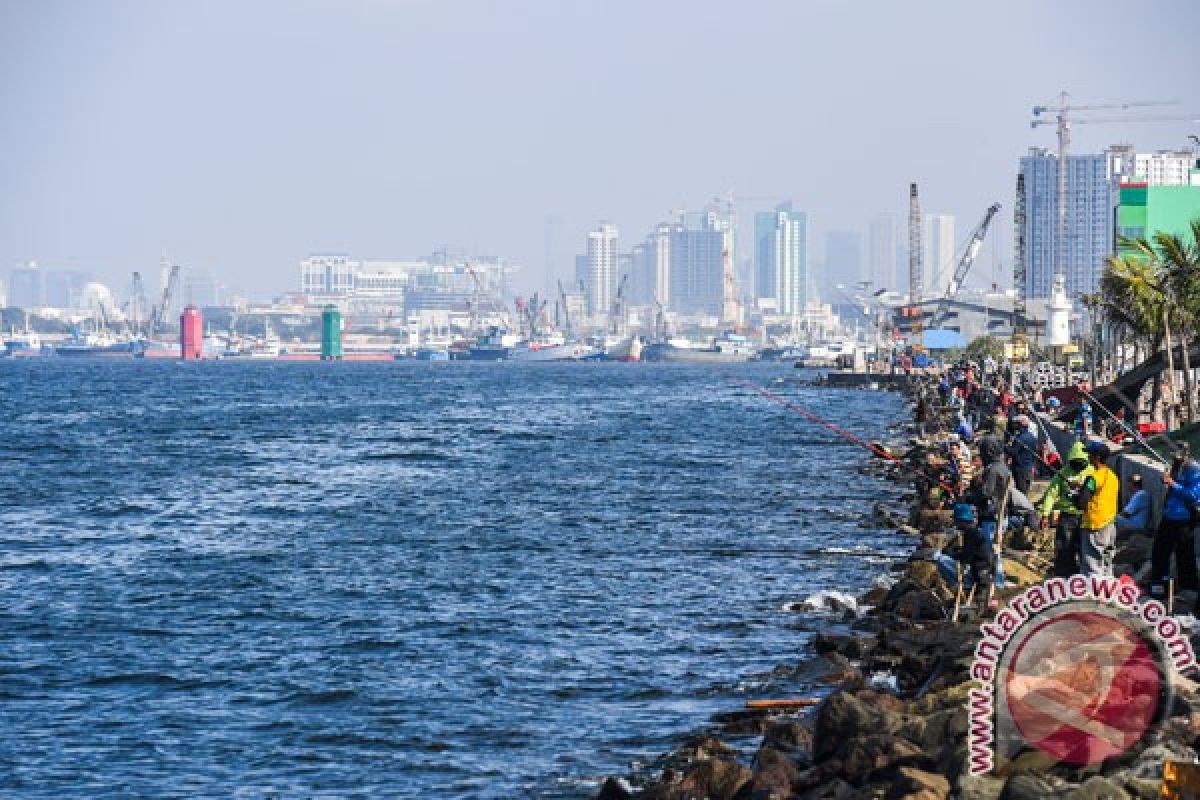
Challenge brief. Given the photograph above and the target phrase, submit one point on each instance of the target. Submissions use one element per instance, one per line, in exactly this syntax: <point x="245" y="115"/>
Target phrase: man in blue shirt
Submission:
<point x="1179" y="517"/>
<point x="1024" y="453"/>
<point x="1136" y="514"/>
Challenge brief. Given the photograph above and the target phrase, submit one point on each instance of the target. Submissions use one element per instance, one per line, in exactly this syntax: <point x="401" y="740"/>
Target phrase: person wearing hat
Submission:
<point x="1097" y="498"/>
<point x="1180" y="515"/>
<point x="1024" y="453"/>
<point x="1059" y="508"/>
<point x="1135" y="516"/>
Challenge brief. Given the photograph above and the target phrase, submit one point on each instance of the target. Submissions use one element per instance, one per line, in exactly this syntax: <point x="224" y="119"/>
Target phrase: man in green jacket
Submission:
<point x="1059" y="506"/>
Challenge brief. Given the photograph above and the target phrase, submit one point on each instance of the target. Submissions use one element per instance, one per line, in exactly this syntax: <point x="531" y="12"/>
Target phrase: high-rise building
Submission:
<point x="881" y="254"/>
<point x="843" y="258"/>
<point x="697" y="247"/>
<point x="940" y="250"/>
<point x="25" y="288"/>
<point x="601" y="266"/>
<point x="1089" y="202"/>
<point x="781" y="259"/>
<point x="1162" y="168"/>
<point x="327" y="275"/>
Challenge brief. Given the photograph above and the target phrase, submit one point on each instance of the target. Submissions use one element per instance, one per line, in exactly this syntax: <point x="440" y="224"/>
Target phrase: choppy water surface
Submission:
<point x="451" y="580"/>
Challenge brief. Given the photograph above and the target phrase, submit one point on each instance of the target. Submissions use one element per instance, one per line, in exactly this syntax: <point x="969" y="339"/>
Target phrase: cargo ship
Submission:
<point x="495" y="345"/>
<point x="728" y="348"/>
<point x="98" y="345"/>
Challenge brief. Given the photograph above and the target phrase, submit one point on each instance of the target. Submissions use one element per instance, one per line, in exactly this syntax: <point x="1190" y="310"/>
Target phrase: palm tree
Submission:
<point x="1132" y="300"/>
<point x="1152" y="291"/>
<point x="1181" y="264"/>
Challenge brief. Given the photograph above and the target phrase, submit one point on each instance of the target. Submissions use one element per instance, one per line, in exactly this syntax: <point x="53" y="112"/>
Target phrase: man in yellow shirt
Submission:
<point x="1098" y="500"/>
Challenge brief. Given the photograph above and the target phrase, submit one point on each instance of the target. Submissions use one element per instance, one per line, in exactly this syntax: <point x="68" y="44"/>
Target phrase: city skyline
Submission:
<point x="135" y="140"/>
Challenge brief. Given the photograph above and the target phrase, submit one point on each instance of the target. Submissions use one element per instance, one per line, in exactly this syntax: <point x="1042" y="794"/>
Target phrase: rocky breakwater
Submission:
<point x="895" y="724"/>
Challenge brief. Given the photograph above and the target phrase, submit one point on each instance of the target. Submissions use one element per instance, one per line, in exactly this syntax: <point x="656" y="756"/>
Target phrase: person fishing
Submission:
<point x="1058" y="508"/>
<point x="963" y="429"/>
<point x="1024" y="452"/>
<point x="1097" y="498"/>
<point x="1180" y="515"/>
<point x="989" y="493"/>
<point x="1135" y="516"/>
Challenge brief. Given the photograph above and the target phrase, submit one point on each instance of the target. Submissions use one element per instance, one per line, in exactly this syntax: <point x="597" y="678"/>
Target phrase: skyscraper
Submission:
<point x="881" y="254"/>
<point x="601" y="266"/>
<point x="940" y="250"/>
<point x="1090" y="200"/>
<point x="781" y="259"/>
<point x="650" y="269"/>
<point x="696" y="249"/>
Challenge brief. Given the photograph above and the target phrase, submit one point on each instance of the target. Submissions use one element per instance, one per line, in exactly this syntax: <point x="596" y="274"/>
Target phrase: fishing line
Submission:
<point x="875" y="449"/>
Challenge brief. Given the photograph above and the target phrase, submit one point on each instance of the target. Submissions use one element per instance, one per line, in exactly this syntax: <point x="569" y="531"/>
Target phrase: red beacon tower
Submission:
<point x="191" y="334"/>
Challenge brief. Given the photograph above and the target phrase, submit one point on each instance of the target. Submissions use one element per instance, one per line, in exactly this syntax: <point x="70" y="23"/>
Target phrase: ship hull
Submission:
<point x="683" y="355"/>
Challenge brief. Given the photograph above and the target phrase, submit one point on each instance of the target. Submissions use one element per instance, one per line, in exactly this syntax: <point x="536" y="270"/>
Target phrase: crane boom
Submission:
<point x="964" y="266"/>
<point x="159" y="315"/>
<point x="915" y="279"/>
<point x="1020" y="276"/>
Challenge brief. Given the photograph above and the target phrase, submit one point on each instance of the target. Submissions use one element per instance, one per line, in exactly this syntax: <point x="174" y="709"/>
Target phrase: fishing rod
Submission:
<point x="1125" y="426"/>
<point x="877" y="450"/>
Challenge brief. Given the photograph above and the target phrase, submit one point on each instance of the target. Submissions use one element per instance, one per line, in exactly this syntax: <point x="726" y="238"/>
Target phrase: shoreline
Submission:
<point x="894" y="723"/>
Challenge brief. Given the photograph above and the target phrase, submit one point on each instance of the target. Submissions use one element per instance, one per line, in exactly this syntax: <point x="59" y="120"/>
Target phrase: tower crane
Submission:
<point x="1020" y="337"/>
<point x="912" y="310"/>
<point x="964" y="266"/>
<point x="1063" y="118"/>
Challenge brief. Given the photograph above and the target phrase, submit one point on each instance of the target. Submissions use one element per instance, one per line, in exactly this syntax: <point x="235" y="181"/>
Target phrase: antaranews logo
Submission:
<point x="1079" y="668"/>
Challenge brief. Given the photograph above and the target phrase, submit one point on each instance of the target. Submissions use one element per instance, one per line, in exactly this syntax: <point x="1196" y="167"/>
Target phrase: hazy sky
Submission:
<point x="241" y="135"/>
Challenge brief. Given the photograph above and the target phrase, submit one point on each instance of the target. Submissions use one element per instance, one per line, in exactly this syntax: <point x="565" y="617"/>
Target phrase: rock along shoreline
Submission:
<point x="895" y="723"/>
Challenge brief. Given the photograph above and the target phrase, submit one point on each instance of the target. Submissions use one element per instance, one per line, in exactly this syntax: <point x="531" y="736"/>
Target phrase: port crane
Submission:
<point x="566" y="309"/>
<point x="974" y="242"/>
<point x="158" y="314"/>
<point x="618" y="307"/>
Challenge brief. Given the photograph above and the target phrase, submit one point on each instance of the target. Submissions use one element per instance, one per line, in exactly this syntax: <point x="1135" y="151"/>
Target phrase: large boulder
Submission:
<point x="775" y="775"/>
<point x="714" y="780"/>
<point x="915" y="784"/>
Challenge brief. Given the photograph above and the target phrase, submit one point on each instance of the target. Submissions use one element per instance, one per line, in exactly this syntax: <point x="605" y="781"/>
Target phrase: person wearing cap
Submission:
<point x="1135" y="516"/>
<point x="1024" y="453"/>
<point x="1097" y="497"/>
<point x="1180" y="515"/>
<point x="1060" y="499"/>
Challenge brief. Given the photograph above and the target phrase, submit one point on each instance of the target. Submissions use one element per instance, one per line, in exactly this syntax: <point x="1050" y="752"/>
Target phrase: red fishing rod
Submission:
<point x="875" y="449"/>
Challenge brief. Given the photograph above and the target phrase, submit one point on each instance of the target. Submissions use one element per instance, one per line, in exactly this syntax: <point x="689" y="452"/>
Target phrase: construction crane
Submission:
<point x="137" y="304"/>
<point x="562" y="296"/>
<point x="1063" y="119"/>
<point x="618" y="307"/>
<point x="964" y="266"/>
<point x="1020" y="339"/>
<point x="158" y="314"/>
<point x="912" y="310"/>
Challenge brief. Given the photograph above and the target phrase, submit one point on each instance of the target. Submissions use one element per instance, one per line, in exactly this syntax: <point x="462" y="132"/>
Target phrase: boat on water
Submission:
<point x="567" y="351"/>
<point x="837" y="353"/>
<point x="728" y="348"/>
<point x="23" y="345"/>
<point x="495" y="345"/>
<point x="99" y="344"/>
<point x="429" y="354"/>
<point x="551" y="346"/>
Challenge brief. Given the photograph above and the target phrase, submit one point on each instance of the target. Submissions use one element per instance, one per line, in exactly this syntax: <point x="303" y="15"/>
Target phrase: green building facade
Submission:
<point x="1146" y="210"/>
